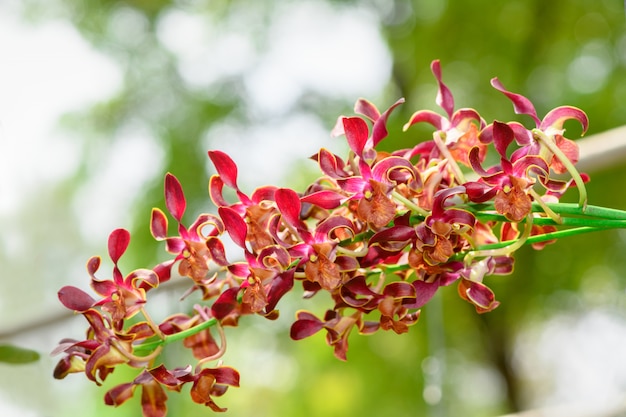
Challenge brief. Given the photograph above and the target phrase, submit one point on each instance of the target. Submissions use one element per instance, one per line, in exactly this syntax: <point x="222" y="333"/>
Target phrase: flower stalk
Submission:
<point x="379" y="232"/>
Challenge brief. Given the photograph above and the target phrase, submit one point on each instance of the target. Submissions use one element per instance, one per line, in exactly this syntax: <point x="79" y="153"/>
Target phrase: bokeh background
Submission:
<point x="99" y="98"/>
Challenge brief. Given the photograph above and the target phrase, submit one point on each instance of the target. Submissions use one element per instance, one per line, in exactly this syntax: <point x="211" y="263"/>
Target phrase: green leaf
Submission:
<point x="17" y="355"/>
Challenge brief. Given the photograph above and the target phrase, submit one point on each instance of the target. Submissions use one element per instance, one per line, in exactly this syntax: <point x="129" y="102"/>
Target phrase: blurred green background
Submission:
<point x="100" y="98"/>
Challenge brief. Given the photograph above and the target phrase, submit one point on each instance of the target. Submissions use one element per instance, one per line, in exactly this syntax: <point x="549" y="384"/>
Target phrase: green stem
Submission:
<point x="550" y="144"/>
<point x="150" y="346"/>
<point x="409" y="204"/>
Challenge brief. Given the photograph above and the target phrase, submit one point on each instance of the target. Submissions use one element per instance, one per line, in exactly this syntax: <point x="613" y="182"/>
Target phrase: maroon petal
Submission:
<point x="356" y="133"/>
<point x="556" y="117"/>
<point x="226" y="375"/>
<point x="479" y="192"/>
<point x="75" y="299"/>
<point x="479" y="294"/>
<point x="428" y="116"/>
<point x="306" y="325"/>
<point x="92" y="265"/>
<point x="502" y="137"/>
<point x="217" y="250"/>
<point x="424" y="291"/>
<point x="289" y="206"/>
<point x="153" y="400"/>
<point x="521" y="104"/>
<point x="379" y="130"/>
<point x="367" y="109"/>
<point x="399" y="289"/>
<point x="216" y="187"/>
<point x="118" y="242"/>
<point x="158" y="224"/>
<point x="325" y="199"/>
<point x="225" y="303"/>
<point x="463" y="117"/>
<point x="280" y="286"/>
<point x="235" y="225"/>
<point x="119" y="394"/>
<point x="444" y="99"/>
<point x="162" y="375"/>
<point x="327" y="228"/>
<point x="330" y="164"/>
<point x="226" y="168"/>
<point x="385" y="169"/>
<point x="393" y="239"/>
<point x="174" y="197"/>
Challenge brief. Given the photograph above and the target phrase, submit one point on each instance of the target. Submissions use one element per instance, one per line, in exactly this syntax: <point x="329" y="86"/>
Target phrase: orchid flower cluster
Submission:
<point x="380" y="232"/>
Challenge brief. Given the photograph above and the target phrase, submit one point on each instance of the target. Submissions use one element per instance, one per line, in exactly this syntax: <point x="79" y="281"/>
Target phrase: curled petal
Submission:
<point x="265" y="193"/>
<point x="367" y="109"/>
<point x="399" y="289"/>
<point x="463" y="117"/>
<point x="479" y="192"/>
<point x="478" y="294"/>
<point x="521" y="104"/>
<point x="146" y="276"/>
<point x="558" y="116"/>
<point x="393" y="239"/>
<point x="335" y="227"/>
<point x="444" y="99"/>
<point x="428" y="116"/>
<point x="330" y="164"/>
<point x="441" y="197"/>
<point x="216" y="187"/>
<point x="158" y="224"/>
<point x="206" y="225"/>
<point x="379" y="130"/>
<point x="279" y="286"/>
<point x="394" y="169"/>
<point x="217" y="250"/>
<point x="225" y="303"/>
<point x="424" y="291"/>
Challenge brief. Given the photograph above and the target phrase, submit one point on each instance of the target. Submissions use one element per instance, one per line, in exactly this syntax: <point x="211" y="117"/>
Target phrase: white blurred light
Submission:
<point x="314" y="46"/>
<point x="46" y="71"/>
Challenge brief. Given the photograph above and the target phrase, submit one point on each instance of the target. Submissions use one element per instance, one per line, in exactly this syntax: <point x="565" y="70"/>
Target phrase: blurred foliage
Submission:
<point x="558" y="52"/>
<point x="16" y="355"/>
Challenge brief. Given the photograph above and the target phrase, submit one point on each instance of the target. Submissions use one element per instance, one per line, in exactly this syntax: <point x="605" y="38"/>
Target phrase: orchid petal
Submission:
<point x="75" y="299"/>
<point x="356" y="133"/>
<point x="118" y="243"/>
<point x="444" y="99"/>
<point x="289" y="206"/>
<point x="558" y="116"/>
<point x="158" y="224"/>
<point x="174" y="197"/>
<point x="325" y="199"/>
<point x="379" y="130"/>
<point x="306" y="325"/>
<point x="235" y="226"/>
<point x="225" y="167"/>
<point x="502" y="137"/>
<point x="521" y="104"/>
<point x="428" y="116"/>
